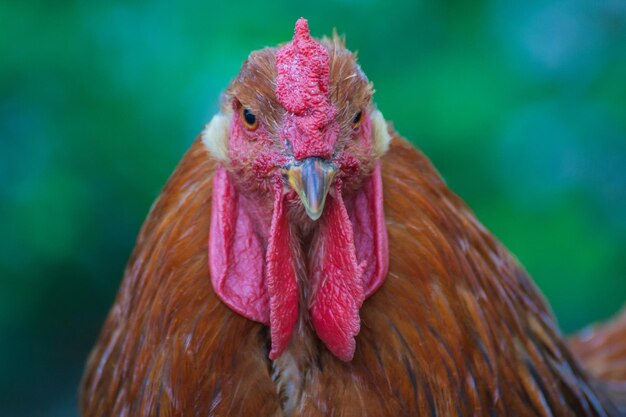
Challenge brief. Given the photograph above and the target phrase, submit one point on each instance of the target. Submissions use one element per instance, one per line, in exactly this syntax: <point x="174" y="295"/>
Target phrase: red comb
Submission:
<point x="302" y="87"/>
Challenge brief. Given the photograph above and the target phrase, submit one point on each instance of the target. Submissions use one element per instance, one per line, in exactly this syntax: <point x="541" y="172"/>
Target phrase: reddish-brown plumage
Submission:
<point x="457" y="329"/>
<point x="603" y="351"/>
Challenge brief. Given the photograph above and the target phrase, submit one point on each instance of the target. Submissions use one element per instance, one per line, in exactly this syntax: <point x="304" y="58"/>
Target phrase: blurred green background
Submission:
<point x="521" y="105"/>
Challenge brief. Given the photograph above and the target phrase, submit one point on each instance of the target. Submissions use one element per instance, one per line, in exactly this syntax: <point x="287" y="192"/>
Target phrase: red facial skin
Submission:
<point x="254" y="233"/>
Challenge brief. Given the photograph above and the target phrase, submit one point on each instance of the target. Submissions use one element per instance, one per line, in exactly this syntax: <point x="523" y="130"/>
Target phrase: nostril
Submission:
<point x="288" y="146"/>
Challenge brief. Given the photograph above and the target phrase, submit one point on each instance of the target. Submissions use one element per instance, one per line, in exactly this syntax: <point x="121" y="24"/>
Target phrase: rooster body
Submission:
<point x="457" y="327"/>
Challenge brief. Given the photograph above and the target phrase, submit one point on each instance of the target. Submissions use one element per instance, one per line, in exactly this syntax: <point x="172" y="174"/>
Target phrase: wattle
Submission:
<point x="252" y="265"/>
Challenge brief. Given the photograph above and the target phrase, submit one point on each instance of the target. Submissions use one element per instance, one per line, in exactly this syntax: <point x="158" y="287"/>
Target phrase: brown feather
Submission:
<point x="254" y="85"/>
<point x="457" y="329"/>
<point x="169" y="346"/>
<point x="602" y="350"/>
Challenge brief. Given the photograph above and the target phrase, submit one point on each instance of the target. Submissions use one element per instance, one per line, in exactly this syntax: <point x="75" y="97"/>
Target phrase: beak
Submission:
<point x="311" y="179"/>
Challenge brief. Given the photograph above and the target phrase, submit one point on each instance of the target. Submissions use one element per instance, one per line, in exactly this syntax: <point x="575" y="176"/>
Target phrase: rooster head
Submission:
<point x="297" y="218"/>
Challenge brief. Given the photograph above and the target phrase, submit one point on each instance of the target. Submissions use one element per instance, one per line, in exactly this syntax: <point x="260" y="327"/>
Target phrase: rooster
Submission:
<point x="304" y="260"/>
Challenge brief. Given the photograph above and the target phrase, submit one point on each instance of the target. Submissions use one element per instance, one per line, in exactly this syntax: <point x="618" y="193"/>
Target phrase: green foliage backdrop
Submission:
<point x="521" y="105"/>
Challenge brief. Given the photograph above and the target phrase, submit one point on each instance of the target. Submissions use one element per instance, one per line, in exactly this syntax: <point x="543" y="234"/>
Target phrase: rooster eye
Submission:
<point x="249" y="119"/>
<point x="357" y="119"/>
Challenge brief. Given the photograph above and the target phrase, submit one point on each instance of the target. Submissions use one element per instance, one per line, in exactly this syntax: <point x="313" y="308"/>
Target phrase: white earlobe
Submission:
<point x="215" y="137"/>
<point x="380" y="133"/>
